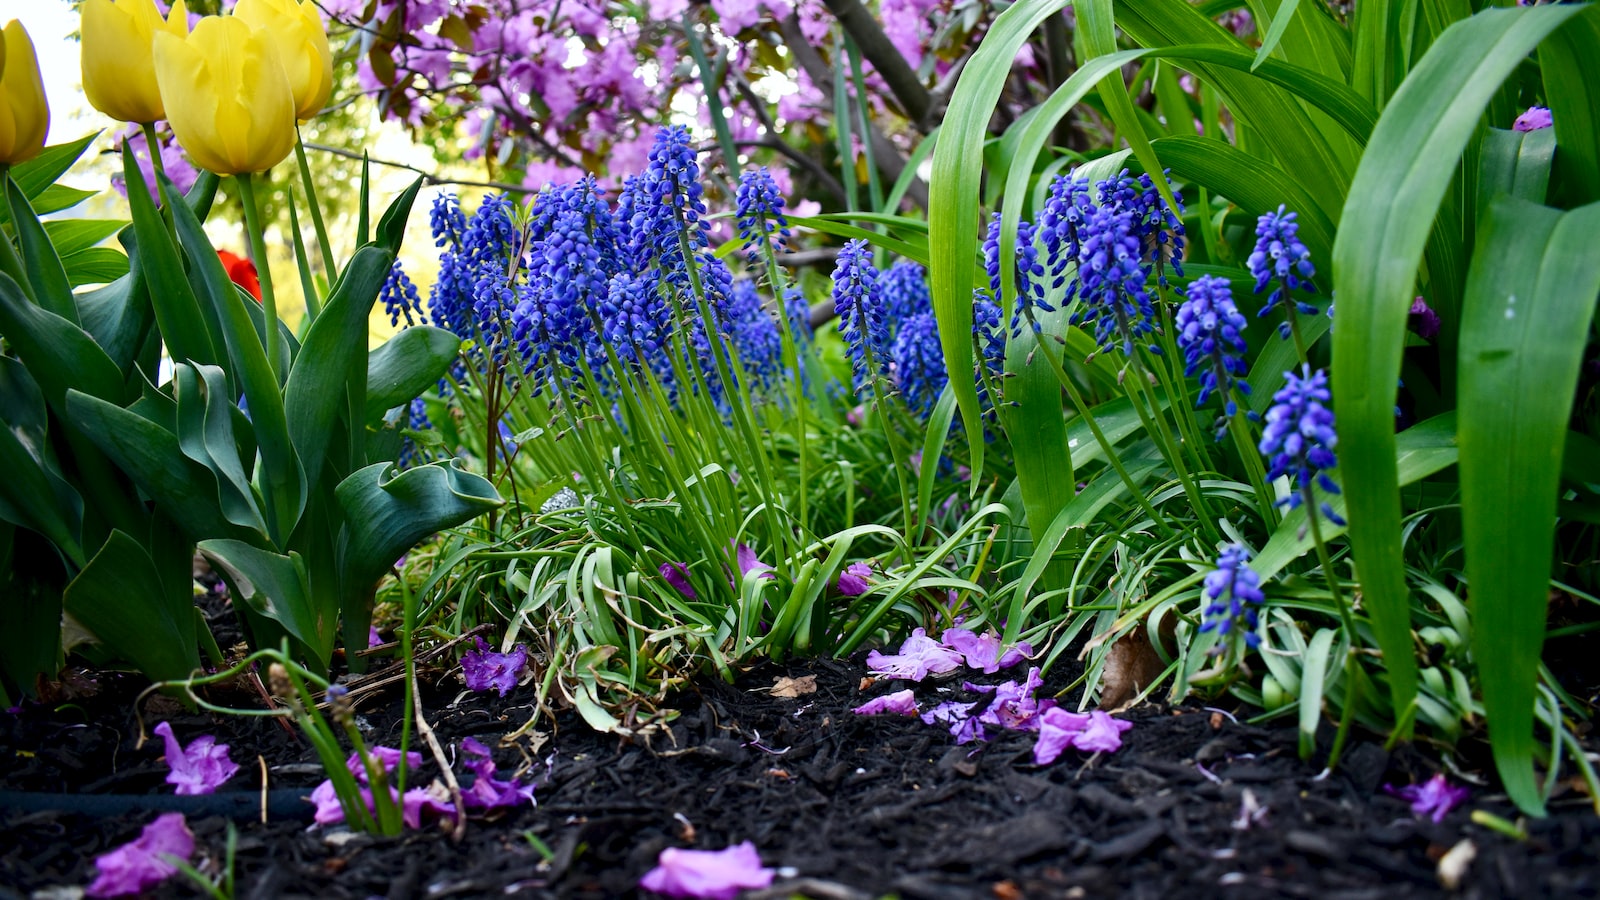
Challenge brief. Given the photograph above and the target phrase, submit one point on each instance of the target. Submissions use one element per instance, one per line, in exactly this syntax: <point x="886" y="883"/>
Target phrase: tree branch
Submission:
<point x="427" y="177"/>
<point x="887" y="155"/>
<point x="902" y="80"/>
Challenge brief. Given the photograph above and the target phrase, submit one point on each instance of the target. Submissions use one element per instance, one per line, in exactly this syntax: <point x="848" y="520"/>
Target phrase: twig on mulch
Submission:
<point x="423" y="728"/>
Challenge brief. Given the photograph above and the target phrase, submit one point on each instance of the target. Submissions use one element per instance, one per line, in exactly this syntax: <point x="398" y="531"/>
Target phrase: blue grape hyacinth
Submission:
<point x="1280" y="257"/>
<point x="1211" y="336"/>
<point x="758" y="210"/>
<point x="400" y="298"/>
<point x="1299" y="438"/>
<point x="919" y="363"/>
<point x="1234" y="592"/>
<point x="1112" y="281"/>
<point x="1030" y="274"/>
<point x="858" y="301"/>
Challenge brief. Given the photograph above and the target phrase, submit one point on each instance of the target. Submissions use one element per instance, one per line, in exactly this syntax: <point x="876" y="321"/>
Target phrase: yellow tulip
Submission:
<point x="119" y="74"/>
<point x="226" y="95"/>
<point x="302" y="45"/>
<point x="24" y="114"/>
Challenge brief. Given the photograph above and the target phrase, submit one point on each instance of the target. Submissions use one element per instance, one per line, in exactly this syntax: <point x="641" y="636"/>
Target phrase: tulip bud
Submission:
<point x="119" y="73"/>
<point x="302" y="47"/>
<point x="24" y="114"/>
<point x="226" y="95"/>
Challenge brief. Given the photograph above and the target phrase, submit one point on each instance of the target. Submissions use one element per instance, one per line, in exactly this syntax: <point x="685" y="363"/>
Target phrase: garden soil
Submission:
<point x="845" y="806"/>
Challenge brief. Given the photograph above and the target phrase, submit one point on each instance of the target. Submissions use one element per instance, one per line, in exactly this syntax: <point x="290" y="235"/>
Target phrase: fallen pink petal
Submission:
<point x="1434" y="798"/>
<point x="486" y="791"/>
<point x="199" y="768"/>
<point x="143" y="863"/>
<point x="984" y="651"/>
<point x="486" y="670"/>
<point x="708" y="874"/>
<point x="1094" y="732"/>
<point x="899" y="703"/>
<point x="919" y="657"/>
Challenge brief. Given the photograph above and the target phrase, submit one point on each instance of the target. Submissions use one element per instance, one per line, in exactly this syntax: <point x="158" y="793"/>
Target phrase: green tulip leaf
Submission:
<point x="59" y="354"/>
<point x="153" y="458"/>
<point x="283" y="481"/>
<point x="204" y="423"/>
<point x="188" y="331"/>
<point x="118" y="315"/>
<point x="334" y="346"/>
<point x="387" y="511"/>
<point x="33" y="494"/>
<point x="275" y="587"/>
<point x="47" y="281"/>
<point x="406" y="365"/>
<point x="123" y="600"/>
<point x="392" y="226"/>
<point x="39" y="174"/>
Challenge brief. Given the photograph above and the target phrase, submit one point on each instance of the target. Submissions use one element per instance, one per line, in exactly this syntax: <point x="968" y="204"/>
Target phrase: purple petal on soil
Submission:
<point x="199" y="768"/>
<point x="1103" y="734"/>
<point x="388" y="757"/>
<point x="484" y="669"/>
<point x="707" y="874"/>
<point x="432" y="799"/>
<point x="374" y="639"/>
<point x="983" y="651"/>
<point x="919" y="656"/>
<point x="677" y="575"/>
<point x="326" y="801"/>
<point x="899" y="703"/>
<point x="1433" y="798"/>
<point x="1093" y="732"/>
<point x="488" y="792"/>
<point x="141" y="864"/>
<point x="964" y="726"/>
<point x="855" y="579"/>
<point x="1014" y="706"/>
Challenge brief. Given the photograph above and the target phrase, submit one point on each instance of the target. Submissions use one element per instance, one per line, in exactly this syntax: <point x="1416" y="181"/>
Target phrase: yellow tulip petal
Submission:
<point x="24" y="114"/>
<point x="119" y="76"/>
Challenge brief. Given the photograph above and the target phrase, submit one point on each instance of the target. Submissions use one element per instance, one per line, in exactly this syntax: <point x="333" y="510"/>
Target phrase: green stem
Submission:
<point x="152" y="145"/>
<point x="1352" y="693"/>
<point x="1174" y="451"/>
<point x="1244" y="442"/>
<point x="1106" y="447"/>
<point x="258" y="250"/>
<point x="323" y="244"/>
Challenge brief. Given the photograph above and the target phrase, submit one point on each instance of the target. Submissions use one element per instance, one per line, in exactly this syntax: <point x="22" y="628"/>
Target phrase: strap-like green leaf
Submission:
<point x="392" y="226"/>
<point x="1387" y="221"/>
<point x="1567" y="62"/>
<point x="406" y="365"/>
<point x="186" y="332"/>
<point x="153" y="458"/>
<point x="40" y="173"/>
<point x="953" y="213"/>
<point x="1514" y="163"/>
<point x="1530" y="299"/>
<point x="33" y="493"/>
<point x="59" y="354"/>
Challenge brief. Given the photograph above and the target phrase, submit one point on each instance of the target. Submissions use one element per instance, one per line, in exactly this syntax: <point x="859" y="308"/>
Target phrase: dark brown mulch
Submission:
<point x="850" y="807"/>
